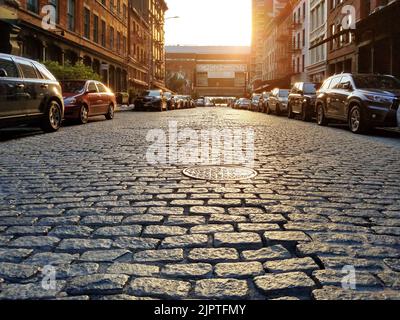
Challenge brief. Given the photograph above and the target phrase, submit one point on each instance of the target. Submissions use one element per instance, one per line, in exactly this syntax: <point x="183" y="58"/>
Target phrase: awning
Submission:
<point x="8" y="15"/>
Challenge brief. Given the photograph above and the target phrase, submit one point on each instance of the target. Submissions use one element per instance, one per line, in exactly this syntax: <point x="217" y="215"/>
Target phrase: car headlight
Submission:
<point x="70" y="101"/>
<point x="380" y="99"/>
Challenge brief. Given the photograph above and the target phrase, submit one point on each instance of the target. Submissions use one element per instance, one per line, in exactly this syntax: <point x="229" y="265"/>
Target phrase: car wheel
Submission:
<point x="268" y="110"/>
<point x="110" y="113"/>
<point x="53" y="117"/>
<point x="84" y="114"/>
<point x="321" y="119"/>
<point x="290" y="112"/>
<point x="305" y="115"/>
<point x="357" y="122"/>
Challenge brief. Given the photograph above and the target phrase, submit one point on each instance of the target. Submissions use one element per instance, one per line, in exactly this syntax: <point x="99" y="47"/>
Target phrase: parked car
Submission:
<point x="255" y="100"/>
<point x="170" y="100"/>
<point x="362" y="100"/>
<point x="151" y="100"/>
<point x="200" y="102"/>
<point x="178" y="101"/>
<point x="209" y="102"/>
<point x="243" y="104"/>
<point x="84" y="99"/>
<point x="277" y="101"/>
<point x="189" y="102"/>
<point x="262" y="105"/>
<point x="29" y="94"/>
<point x="302" y="99"/>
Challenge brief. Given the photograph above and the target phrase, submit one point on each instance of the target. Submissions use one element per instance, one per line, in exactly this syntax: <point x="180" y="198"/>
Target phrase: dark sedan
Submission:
<point x="151" y="100"/>
<point x="302" y="100"/>
<point x="29" y="94"/>
<point x="362" y="100"/>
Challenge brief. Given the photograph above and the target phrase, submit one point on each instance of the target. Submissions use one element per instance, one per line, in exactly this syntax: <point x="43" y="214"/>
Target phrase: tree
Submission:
<point x="68" y="71"/>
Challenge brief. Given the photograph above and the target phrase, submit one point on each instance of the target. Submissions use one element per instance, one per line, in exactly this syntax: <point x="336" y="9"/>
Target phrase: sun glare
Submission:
<point x="208" y="22"/>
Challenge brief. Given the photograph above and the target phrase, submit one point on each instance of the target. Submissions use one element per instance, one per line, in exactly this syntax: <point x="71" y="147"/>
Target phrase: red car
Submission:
<point x="84" y="99"/>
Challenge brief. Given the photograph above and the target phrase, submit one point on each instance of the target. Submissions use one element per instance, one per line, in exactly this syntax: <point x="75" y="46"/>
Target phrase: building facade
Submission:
<point x="316" y="69"/>
<point x="277" y="56"/>
<point x="300" y="41"/>
<point x="342" y="56"/>
<point x="208" y="71"/>
<point x="378" y="37"/>
<point x="113" y="37"/>
<point x="259" y="20"/>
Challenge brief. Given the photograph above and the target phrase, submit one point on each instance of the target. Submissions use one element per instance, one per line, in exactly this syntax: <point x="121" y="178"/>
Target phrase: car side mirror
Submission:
<point x="3" y="73"/>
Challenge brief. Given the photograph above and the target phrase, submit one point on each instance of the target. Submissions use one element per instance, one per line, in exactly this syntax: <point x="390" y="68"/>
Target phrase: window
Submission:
<point x="103" y="33"/>
<point x="46" y="74"/>
<point x="334" y="83"/>
<point x="28" y="70"/>
<point x="86" y="23"/>
<point x="111" y="38"/>
<point x="33" y="6"/>
<point x="71" y="15"/>
<point x="95" y="28"/>
<point x="9" y="67"/>
<point x="92" y="87"/>
<point x="101" y="87"/>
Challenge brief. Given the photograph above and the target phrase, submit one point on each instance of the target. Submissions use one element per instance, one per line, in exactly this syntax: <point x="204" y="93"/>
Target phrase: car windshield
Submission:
<point x="73" y="86"/>
<point x="310" y="88"/>
<point x="376" y="82"/>
<point x="151" y="93"/>
<point x="284" y="93"/>
<point x="168" y="95"/>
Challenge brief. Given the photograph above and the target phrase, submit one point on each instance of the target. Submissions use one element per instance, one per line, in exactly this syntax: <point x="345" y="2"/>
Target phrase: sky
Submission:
<point x="208" y="22"/>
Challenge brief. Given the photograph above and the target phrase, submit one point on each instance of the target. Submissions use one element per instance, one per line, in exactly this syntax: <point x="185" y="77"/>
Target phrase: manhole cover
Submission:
<point x="220" y="173"/>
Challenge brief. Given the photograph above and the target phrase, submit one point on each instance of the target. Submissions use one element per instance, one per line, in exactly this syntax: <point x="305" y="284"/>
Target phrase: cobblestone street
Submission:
<point x="86" y="201"/>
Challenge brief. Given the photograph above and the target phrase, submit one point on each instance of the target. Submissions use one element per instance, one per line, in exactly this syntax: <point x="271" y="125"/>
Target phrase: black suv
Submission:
<point x="302" y="100"/>
<point x="151" y="100"/>
<point x="362" y="100"/>
<point x="29" y="94"/>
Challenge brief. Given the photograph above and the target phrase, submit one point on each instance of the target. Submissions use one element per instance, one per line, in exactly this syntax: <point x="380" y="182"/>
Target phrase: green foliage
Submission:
<point x="71" y="72"/>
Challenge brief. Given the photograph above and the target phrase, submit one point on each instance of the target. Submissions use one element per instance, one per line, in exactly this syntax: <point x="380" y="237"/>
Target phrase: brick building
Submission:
<point x="208" y="71"/>
<point x="111" y="36"/>
<point x="378" y="37"/>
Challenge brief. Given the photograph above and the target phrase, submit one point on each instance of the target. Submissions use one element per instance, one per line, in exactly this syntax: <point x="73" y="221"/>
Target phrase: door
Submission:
<point x="297" y="98"/>
<point x="104" y="98"/>
<point x="272" y="104"/>
<point x="332" y="109"/>
<point x="12" y="96"/>
<point x="33" y="87"/>
<point x="94" y="99"/>
<point x="343" y="92"/>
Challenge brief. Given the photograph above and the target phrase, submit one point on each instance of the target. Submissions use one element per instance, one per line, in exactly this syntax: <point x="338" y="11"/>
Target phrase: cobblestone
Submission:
<point x="162" y="288"/>
<point x="284" y="283"/>
<point x="306" y="265"/>
<point x="221" y="289"/>
<point x="118" y="227"/>
<point x="97" y="284"/>
<point x="191" y="271"/>
<point x="238" y="240"/>
<point x="213" y="255"/>
<point x="239" y="270"/>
